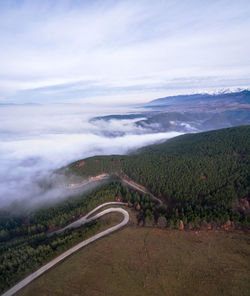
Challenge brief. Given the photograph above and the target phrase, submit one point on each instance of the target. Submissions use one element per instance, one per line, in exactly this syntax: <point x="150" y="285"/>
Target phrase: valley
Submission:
<point x="194" y="185"/>
<point x="124" y="148"/>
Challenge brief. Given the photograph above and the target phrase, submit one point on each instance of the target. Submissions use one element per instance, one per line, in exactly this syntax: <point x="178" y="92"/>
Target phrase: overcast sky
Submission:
<point x="120" y="51"/>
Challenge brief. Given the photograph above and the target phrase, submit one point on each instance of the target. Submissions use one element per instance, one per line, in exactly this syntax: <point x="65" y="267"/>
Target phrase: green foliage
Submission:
<point x="20" y="257"/>
<point x="94" y="165"/>
<point x="207" y="171"/>
<point x="24" y="245"/>
<point x="199" y="177"/>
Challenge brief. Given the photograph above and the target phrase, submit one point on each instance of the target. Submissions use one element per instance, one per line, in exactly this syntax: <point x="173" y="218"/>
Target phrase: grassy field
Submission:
<point x="151" y="261"/>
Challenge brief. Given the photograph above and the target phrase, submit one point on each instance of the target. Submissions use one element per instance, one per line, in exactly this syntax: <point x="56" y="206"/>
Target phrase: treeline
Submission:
<point x="24" y="244"/>
<point x="149" y="213"/>
<point x="52" y="217"/>
<point x="208" y="171"/>
<point x="28" y="246"/>
<point x="94" y="166"/>
<point x="196" y="217"/>
<point x="22" y="257"/>
<point x="143" y="203"/>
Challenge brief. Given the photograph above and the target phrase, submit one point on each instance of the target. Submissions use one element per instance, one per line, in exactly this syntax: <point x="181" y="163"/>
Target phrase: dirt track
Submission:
<point x="72" y="250"/>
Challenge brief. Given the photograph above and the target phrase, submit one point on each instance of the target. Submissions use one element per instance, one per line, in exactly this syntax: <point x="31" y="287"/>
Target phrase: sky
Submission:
<point x="120" y="52"/>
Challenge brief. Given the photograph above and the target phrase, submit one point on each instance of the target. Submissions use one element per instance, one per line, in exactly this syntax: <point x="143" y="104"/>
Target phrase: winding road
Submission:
<point x="84" y="243"/>
<point x="137" y="187"/>
<point x="85" y="219"/>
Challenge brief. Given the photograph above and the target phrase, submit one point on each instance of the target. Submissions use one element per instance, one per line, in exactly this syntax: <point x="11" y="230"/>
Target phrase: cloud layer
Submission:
<point x="120" y="50"/>
<point x="35" y="140"/>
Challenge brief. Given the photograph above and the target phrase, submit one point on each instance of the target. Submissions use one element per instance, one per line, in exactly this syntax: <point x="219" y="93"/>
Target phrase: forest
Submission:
<point x="24" y="243"/>
<point x="202" y="179"/>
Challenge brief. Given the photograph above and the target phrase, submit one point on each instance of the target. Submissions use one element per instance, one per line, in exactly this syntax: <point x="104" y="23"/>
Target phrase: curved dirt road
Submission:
<point x="64" y="255"/>
<point x="134" y="185"/>
<point x="84" y="219"/>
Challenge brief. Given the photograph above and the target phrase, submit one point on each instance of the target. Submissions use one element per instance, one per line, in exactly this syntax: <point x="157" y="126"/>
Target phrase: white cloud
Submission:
<point x="119" y="42"/>
<point x="36" y="140"/>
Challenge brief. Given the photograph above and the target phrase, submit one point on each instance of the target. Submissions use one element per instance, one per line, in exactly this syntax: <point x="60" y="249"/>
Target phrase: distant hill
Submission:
<point x="241" y="97"/>
<point x="184" y="113"/>
<point x="194" y="121"/>
<point x="116" y="117"/>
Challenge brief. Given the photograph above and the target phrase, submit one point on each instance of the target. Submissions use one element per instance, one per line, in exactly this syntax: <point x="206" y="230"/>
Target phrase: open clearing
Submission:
<point x="151" y="261"/>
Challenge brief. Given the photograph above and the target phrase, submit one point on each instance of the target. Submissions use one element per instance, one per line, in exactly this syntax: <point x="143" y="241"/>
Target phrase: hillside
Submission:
<point x="194" y="121"/>
<point x="200" y="177"/>
<point x="183" y="113"/>
<point x="242" y="97"/>
<point x="149" y="261"/>
<point x="24" y="241"/>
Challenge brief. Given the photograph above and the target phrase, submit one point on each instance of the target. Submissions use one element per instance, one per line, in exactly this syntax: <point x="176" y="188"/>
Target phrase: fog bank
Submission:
<point x="36" y="140"/>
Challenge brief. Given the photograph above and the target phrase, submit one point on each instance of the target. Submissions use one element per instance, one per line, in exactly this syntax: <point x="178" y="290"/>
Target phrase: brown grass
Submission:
<point x="149" y="261"/>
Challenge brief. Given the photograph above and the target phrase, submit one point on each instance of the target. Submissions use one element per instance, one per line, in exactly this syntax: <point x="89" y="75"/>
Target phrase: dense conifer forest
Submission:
<point x="206" y="169"/>
<point x="202" y="179"/>
<point x="24" y="244"/>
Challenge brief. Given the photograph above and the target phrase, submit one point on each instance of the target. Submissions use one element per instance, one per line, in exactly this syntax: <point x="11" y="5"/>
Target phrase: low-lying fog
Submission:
<point x="36" y="140"/>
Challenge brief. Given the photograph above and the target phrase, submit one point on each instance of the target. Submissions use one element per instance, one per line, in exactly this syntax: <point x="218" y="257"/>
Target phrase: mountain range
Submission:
<point x="188" y="113"/>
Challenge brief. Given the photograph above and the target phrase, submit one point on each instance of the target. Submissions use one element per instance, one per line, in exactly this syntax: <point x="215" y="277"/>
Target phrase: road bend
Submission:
<point x="72" y="250"/>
